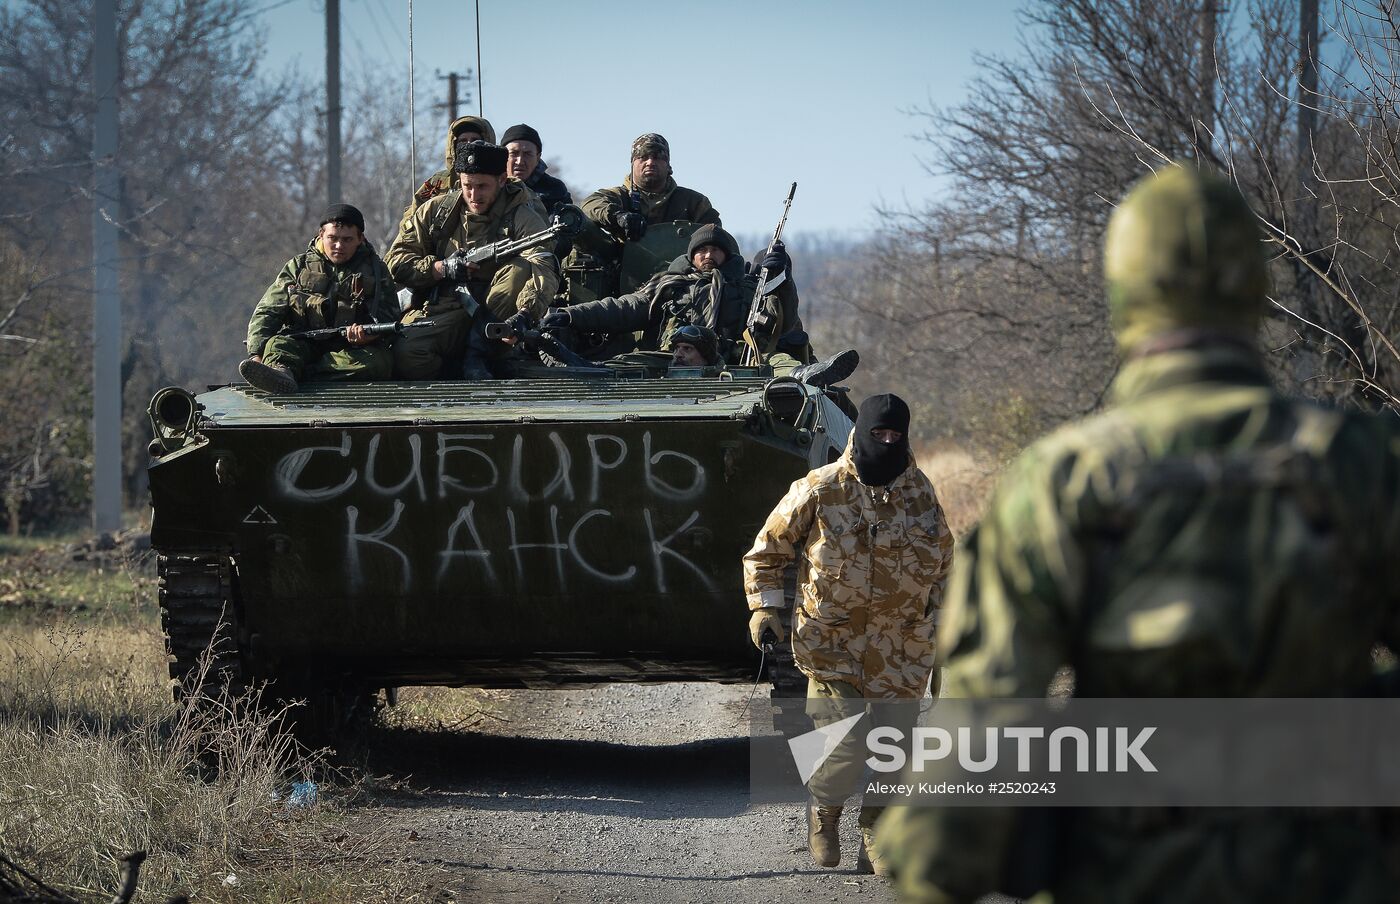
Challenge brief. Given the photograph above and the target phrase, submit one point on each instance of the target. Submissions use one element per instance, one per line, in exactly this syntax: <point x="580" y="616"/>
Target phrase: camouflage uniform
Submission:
<point x="602" y="252"/>
<point x="870" y="578"/>
<point x="683" y="294"/>
<point x="526" y="282"/>
<point x="1205" y="537"/>
<point x="672" y="203"/>
<point x="313" y="293"/>
<point x="870" y="581"/>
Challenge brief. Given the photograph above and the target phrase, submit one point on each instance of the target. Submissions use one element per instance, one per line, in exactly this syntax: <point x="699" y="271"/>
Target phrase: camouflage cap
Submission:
<point x="1183" y="250"/>
<point x="650" y="143"/>
<point x="702" y="337"/>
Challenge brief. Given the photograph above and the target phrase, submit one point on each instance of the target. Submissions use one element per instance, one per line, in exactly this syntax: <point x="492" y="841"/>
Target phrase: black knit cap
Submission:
<point x="522" y="132"/>
<point x="711" y="234"/>
<point x="343" y="214"/>
<point x="480" y="157"/>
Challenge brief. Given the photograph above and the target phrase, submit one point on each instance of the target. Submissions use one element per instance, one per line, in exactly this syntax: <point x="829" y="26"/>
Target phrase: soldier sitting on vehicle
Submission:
<point x="424" y="257"/>
<point x="337" y="281"/>
<point x="620" y="216"/>
<point x="708" y="286"/>
<point x="524" y="146"/>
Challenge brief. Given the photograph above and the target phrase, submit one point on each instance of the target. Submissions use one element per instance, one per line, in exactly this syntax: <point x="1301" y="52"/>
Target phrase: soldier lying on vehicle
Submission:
<point x="709" y="286"/>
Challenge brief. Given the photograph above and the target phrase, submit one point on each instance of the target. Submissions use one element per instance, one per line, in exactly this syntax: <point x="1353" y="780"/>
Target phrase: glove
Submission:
<point x="632" y="224"/>
<point x="518" y="322"/>
<point x="557" y="319"/>
<point x="454" y="268"/>
<point x="765" y="620"/>
<point x="776" y="260"/>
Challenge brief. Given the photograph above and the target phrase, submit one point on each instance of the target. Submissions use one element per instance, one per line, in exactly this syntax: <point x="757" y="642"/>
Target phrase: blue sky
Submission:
<point x="751" y="96"/>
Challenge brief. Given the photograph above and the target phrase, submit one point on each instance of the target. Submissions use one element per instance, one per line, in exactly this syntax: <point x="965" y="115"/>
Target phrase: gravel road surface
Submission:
<point x="620" y="793"/>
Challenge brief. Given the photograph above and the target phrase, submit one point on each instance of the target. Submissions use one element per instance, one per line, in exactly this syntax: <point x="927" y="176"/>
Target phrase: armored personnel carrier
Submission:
<point x="577" y="527"/>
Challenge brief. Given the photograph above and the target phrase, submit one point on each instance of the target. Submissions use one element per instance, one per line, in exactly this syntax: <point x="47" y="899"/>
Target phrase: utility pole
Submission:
<point x="333" y="101"/>
<point x="1307" y="93"/>
<point x="1208" y="20"/>
<point x="106" y="296"/>
<point x="453" y="79"/>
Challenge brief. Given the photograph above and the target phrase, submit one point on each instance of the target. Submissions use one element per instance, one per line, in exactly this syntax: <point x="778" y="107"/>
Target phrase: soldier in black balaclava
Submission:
<point x="881" y="440"/>
<point x="873" y="549"/>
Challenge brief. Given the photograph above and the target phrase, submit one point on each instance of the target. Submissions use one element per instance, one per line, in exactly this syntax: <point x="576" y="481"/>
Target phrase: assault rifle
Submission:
<point x="753" y="355"/>
<point x="540" y="340"/>
<point x="567" y="222"/>
<point x="371" y="329"/>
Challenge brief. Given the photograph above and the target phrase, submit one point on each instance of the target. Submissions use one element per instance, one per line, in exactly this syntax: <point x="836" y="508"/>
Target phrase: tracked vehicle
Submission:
<point x="569" y="528"/>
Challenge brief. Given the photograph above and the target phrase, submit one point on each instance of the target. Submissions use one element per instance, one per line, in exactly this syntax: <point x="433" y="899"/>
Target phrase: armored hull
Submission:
<point x="532" y="532"/>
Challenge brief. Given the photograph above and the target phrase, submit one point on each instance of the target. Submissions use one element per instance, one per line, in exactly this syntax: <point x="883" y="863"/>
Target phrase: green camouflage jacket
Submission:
<point x="312" y="293"/>
<point x="438" y="228"/>
<point x="870" y="577"/>
<point x="672" y="203"/>
<point x="719" y="300"/>
<point x="1205" y="537"/>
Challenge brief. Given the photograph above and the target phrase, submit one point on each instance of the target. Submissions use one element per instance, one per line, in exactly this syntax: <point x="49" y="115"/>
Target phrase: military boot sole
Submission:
<point x="831" y="371"/>
<point x="268" y="378"/>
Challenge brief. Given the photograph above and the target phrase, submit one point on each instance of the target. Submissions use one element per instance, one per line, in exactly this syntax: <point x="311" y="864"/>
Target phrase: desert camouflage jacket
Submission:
<point x="870" y="576"/>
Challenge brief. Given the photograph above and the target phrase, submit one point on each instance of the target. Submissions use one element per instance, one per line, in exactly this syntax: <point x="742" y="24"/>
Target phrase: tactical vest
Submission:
<point x="318" y="300"/>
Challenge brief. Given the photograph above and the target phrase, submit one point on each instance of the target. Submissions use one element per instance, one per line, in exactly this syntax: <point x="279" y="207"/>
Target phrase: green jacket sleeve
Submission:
<point x="603" y="206"/>
<point x="626" y="313"/>
<point x="704" y="212"/>
<point x="1005" y="626"/>
<point x="271" y="314"/>
<point x="543" y="282"/>
<point x="411" y="257"/>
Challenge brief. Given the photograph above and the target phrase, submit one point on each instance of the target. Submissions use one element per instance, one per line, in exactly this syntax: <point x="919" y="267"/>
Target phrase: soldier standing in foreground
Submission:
<point x="1205" y="537"/>
<point x="874" y="550"/>
<point x="337" y="281"/>
<point x="486" y="208"/>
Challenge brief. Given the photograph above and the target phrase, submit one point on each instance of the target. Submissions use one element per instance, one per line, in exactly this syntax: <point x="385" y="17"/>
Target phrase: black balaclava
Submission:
<point x="877" y="463"/>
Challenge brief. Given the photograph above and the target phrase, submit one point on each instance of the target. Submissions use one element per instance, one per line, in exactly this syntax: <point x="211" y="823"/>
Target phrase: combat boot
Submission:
<point x="870" y="860"/>
<point x="829" y="372"/>
<point x="273" y="378"/>
<point x="822" y="838"/>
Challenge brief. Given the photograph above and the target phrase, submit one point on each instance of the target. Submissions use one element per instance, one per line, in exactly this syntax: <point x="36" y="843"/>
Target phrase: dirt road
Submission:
<point x="625" y="794"/>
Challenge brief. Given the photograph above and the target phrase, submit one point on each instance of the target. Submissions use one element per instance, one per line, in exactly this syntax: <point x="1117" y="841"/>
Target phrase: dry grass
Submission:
<point x="963" y="483"/>
<point x="97" y="760"/>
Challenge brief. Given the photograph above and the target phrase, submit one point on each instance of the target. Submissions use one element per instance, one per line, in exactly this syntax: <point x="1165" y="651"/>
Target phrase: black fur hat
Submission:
<point x="480" y="157"/>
